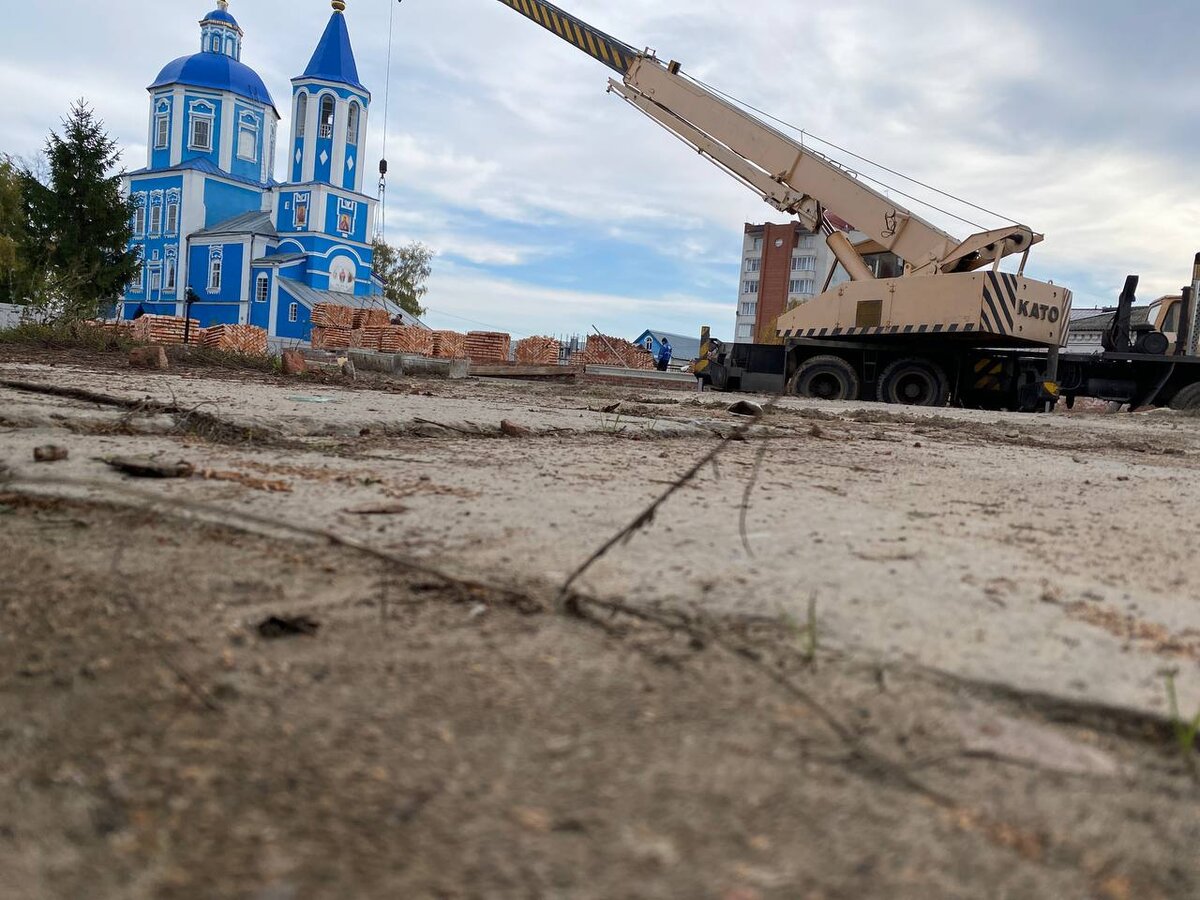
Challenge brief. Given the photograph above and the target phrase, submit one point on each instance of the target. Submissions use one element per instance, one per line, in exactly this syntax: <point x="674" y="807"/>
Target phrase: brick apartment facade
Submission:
<point x="781" y="264"/>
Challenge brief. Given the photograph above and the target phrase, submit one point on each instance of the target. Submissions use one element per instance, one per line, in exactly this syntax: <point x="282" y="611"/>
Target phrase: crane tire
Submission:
<point x="826" y="378"/>
<point x="913" y="382"/>
<point x="1187" y="398"/>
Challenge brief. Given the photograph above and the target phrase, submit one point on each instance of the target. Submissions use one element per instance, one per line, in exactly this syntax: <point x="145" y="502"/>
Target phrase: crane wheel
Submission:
<point x="1187" y="398"/>
<point x="826" y="378"/>
<point x="914" y="382"/>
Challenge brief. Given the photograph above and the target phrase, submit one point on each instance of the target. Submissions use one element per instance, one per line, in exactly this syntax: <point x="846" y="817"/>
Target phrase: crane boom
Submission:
<point x="791" y="177"/>
<point x="615" y="54"/>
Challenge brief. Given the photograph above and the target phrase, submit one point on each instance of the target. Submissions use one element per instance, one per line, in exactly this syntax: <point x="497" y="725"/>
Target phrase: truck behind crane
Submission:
<point x="952" y="326"/>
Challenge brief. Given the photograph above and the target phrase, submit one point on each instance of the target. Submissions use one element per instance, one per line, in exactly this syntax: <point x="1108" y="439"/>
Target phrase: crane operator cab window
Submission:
<point x="885" y="265"/>
<point x="1171" y="321"/>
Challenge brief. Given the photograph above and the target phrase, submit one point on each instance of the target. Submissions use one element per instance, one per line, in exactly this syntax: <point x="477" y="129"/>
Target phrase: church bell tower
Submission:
<point x="329" y="106"/>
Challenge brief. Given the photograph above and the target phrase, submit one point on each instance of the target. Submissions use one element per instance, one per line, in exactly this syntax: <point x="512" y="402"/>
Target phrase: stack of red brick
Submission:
<point x="332" y="325"/>
<point x="247" y="339"/>
<point x="449" y="345"/>
<point x="164" y="329"/>
<point x="403" y="339"/>
<point x="603" y="350"/>
<point x="538" y="351"/>
<point x="488" y="346"/>
<point x="371" y="318"/>
<point x="330" y="315"/>
<point x="367" y="337"/>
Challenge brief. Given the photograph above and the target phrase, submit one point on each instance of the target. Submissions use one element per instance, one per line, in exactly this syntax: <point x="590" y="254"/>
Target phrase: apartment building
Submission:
<point x="781" y="264"/>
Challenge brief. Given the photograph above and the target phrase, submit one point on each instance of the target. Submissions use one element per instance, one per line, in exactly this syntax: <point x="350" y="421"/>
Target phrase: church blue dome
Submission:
<point x="215" y="71"/>
<point x="220" y="15"/>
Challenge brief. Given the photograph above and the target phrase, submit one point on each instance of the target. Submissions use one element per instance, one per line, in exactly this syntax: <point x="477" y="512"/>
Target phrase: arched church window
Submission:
<point x="326" y="120"/>
<point x="262" y="289"/>
<point x="247" y="147"/>
<point x="215" y="255"/>
<point x="172" y="217"/>
<point x="352" y="125"/>
<point x="215" y="44"/>
<point x="162" y="129"/>
<point x="139" y="216"/>
<point x="201" y="132"/>
<point x="301" y="114"/>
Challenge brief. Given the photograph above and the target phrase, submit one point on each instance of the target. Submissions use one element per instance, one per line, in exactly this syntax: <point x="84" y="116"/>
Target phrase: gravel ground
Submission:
<point x="978" y="709"/>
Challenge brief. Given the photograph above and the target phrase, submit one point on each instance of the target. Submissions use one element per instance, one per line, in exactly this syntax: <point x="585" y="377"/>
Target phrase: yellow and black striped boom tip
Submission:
<point x="615" y="54"/>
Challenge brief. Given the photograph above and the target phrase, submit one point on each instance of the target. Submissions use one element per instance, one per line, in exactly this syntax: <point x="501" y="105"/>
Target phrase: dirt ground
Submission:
<point x="928" y="663"/>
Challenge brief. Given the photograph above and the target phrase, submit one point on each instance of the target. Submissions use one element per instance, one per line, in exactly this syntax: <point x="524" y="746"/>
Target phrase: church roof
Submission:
<point x="334" y="57"/>
<point x="201" y="164"/>
<point x="311" y="296"/>
<point x="220" y="15"/>
<point x="256" y="222"/>
<point x="279" y="259"/>
<point x="215" y="71"/>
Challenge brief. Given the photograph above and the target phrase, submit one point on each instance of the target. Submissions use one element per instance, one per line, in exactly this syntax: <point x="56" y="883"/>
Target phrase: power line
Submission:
<point x="381" y="224"/>
<point x="496" y="328"/>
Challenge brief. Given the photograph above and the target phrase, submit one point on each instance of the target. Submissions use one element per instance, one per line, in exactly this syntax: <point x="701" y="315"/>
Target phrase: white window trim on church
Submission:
<point x="139" y="279"/>
<point x="301" y="113"/>
<point x="262" y="289"/>
<point x="352" y="119"/>
<point x="247" y="145"/>
<point x="139" y="215"/>
<point x="171" y="269"/>
<point x="293" y="312"/>
<point x="162" y="125"/>
<point x="202" y="114"/>
<point x="215" y="257"/>
<point x="326" y="115"/>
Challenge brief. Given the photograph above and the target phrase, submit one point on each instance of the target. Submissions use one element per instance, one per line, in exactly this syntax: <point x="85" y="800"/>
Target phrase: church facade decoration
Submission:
<point x="211" y="221"/>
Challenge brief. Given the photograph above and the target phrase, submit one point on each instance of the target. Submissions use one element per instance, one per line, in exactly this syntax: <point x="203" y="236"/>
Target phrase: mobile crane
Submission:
<point x="948" y="326"/>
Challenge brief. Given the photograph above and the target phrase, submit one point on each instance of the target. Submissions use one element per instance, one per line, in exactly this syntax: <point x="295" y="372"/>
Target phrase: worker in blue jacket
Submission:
<point x="664" y="355"/>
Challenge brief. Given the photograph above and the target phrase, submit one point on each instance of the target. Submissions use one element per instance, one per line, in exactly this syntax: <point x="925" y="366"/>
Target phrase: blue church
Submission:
<point x="210" y="214"/>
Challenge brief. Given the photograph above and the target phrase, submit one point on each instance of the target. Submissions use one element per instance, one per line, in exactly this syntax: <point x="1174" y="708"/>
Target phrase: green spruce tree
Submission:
<point x="404" y="272"/>
<point x="14" y="232"/>
<point x="81" y="225"/>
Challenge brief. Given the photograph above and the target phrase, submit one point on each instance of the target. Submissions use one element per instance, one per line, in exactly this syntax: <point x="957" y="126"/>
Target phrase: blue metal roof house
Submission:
<point x="684" y="349"/>
<point x="211" y="216"/>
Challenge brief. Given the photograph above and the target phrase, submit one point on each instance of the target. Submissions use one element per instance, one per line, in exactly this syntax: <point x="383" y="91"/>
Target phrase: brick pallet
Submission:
<point x="538" y="351"/>
<point x="488" y="346"/>
<point x="449" y="345"/>
<point x="164" y="329"/>
<point x="603" y="350"/>
<point x="405" y="339"/>
<point x="247" y="339"/>
<point x="371" y="318"/>
<point x="329" y="315"/>
<point x="324" y="338"/>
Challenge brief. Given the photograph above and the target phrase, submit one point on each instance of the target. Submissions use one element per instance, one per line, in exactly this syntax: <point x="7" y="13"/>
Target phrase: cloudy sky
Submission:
<point x="553" y="207"/>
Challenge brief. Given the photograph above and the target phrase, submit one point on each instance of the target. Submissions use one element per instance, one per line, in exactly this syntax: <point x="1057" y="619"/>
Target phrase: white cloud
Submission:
<point x="1029" y="111"/>
<point x="467" y="300"/>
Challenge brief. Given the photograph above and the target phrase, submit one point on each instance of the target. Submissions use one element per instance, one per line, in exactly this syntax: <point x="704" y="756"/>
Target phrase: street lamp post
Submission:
<point x="189" y="298"/>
